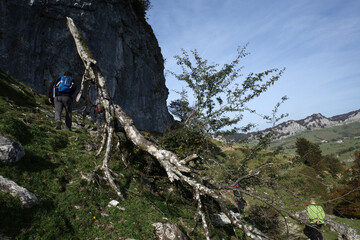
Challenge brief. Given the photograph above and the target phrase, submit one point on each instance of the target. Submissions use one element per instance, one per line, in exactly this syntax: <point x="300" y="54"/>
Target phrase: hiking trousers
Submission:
<point x="313" y="232"/>
<point x="61" y="102"/>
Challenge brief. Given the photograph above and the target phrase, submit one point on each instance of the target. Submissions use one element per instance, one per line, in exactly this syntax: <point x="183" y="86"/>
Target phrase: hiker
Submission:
<point x="316" y="215"/>
<point x="60" y="93"/>
<point x="240" y="202"/>
<point x="99" y="113"/>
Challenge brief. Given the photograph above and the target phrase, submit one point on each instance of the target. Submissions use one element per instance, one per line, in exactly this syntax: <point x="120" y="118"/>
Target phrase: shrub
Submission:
<point x="184" y="141"/>
<point x="333" y="165"/>
<point x="141" y="7"/>
<point x="310" y="154"/>
<point x="348" y="203"/>
<point x="267" y="219"/>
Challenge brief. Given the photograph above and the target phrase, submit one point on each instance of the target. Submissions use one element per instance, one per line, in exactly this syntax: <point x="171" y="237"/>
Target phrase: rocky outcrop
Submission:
<point x="10" y="151"/>
<point x="169" y="231"/>
<point x="220" y="219"/>
<point x="36" y="47"/>
<point x="344" y="232"/>
<point x="291" y="127"/>
<point x="27" y="198"/>
<point x="315" y="121"/>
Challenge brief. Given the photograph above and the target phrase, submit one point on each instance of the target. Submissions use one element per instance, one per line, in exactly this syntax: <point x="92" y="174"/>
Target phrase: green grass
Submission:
<point x="69" y="206"/>
<point x="349" y="134"/>
<point x="72" y="208"/>
<point x="353" y="223"/>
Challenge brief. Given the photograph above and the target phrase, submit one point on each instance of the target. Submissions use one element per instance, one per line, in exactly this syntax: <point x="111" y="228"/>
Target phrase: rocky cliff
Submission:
<point x="36" y="47"/>
<point x="314" y="121"/>
<point x="291" y="127"/>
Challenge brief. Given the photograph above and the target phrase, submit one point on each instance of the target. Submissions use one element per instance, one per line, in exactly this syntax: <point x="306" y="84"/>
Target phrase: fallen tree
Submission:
<point x="176" y="169"/>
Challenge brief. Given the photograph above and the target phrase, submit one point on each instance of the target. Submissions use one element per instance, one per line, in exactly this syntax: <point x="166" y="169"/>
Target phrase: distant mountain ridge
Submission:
<point x="291" y="127"/>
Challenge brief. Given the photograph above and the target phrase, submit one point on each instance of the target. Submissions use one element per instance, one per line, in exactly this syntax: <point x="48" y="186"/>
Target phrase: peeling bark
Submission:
<point x="200" y="213"/>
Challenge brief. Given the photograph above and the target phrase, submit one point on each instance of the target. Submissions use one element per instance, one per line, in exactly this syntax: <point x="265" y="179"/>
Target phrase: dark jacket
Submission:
<point x="52" y="88"/>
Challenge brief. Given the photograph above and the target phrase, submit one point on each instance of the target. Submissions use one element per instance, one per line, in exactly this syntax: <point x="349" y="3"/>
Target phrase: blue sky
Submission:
<point x="318" y="42"/>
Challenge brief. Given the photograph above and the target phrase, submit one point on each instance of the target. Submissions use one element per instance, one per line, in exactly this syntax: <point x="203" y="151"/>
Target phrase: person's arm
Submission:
<point x="321" y="215"/>
<point x="51" y="89"/>
<point x="74" y="87"/>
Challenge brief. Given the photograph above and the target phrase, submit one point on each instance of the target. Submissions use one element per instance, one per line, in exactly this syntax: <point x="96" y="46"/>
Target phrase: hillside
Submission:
<point x="339" y="141"/>
<point x="56" y="168"/>
<point x="313" y="122"/>
<point x="337" y="136"/>
<point x="62" y="170"/>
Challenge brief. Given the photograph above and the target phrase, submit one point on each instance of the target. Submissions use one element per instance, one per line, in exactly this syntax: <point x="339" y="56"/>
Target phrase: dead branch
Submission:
<point x="200" y="213"/>
<point x="105" y="166"/>
<point x="190" y="158"/>
<point x="103" y="141"/>
<point x="173" y="166"/>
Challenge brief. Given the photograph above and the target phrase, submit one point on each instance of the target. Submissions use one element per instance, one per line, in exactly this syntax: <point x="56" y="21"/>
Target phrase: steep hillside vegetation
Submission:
<point x="54" y="169"/>
<point x="62" y="170"/>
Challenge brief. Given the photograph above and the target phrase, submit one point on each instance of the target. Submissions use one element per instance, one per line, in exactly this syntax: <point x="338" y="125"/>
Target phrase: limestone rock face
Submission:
<point x="10" y="151"/>
<point x="36" y="47"/>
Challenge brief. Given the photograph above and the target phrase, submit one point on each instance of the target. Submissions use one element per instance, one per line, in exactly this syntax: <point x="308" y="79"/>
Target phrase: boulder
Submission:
<point x="220" y="219"/>
<point x="169" y="231"/>
<point x="27" y="198"/>
<point x="10" y="150"/>
<point x="344" y="232"/>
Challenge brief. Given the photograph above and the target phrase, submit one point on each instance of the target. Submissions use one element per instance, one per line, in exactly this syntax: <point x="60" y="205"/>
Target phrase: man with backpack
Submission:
<point x="99" y="113"/>
<point x="316" y="215"/>
<point x="60" y="93"/>
<point x="240" y="201"/>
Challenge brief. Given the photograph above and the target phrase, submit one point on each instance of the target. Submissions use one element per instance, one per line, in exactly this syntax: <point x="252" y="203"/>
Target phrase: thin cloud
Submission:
<point x="317" y="41"/>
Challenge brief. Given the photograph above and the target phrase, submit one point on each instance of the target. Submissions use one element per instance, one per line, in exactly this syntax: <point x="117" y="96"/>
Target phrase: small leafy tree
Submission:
<point x="180" y="109"/>
<point x="333" y="165"/>
<point x="310" y="154"/>
<point x="219" y="96"/>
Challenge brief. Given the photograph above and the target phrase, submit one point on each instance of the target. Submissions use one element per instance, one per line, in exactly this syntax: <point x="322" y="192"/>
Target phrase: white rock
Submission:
<point x="10" y="150"/>
<point x="113" y="203"/>
<point x="27" y="198"/>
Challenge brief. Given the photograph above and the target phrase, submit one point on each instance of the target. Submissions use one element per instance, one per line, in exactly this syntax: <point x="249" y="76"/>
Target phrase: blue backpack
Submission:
<point x="65" y="84"/>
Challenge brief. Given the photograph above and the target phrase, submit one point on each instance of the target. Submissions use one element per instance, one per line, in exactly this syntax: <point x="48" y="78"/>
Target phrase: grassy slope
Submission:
<point x="349" y="134"/>
<point x="72" y="208"/>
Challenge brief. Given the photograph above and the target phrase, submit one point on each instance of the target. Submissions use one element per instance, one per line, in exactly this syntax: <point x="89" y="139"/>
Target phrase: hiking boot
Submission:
<point x="58" y="125"/>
